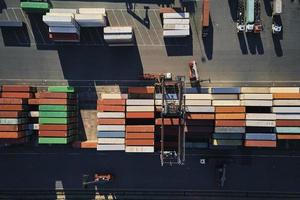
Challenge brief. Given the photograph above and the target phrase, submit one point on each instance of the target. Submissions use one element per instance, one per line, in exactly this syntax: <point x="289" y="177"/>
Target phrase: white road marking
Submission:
<point x="116" y="17"/>
<point x="147" y="31"/>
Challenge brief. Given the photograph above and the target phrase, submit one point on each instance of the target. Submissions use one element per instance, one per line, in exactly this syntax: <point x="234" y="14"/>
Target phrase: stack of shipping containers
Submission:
<point x="57" y="115"/>
<point x="286" y="107"/>
<point x="111" y="122"/>
<point x="200" y="119"/>
<point x="91" y="17"/>
<point x="14" y="114"/>
<point x="260" y="122"/>
<point x="118" y="35"/>
<point x="230" y="117"/>
<point x="140" y="119"/>
<point x="176" y="24"/>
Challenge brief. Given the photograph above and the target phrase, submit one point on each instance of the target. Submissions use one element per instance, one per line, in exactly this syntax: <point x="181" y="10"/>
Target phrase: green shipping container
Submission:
<point x="56" y="114"/>
<point x="54" y="120"/>
<point x="60" y="89"/>
<point x="35" y="6"/>
<point x="56" y="108"/>
<point x="55" y="140"/>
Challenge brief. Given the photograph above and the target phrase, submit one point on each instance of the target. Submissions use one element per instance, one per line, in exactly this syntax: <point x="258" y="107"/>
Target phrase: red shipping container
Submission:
<point x="55" y="127"/>
<point x="141" y="115"/>
<point x="17" y="95"/>
<point x="259" y="143"/>
<point x="110" y="108"/>
<point x="12" y="101"/>
<point x="288" y="137"/>
<point x="11" y="114"/>
<point x="139" y="135"/>
<point x="16" y="88"/>
<point x="111" y="121"/>
<point x="51" y="101"/>
<point x="120" y="102"/>
<point x="54" y="95"/>
<point x="287" y="122"/>
<point x="12" y="127"/>
<point x="141" y="90"/>
<point x="139" y="128"/>
<point x="167" y="121"/>
<point x="12" y="107"/>
<point x="13" y="135"/>
<point x="141" y="142"/>
<point x="230" y="123"/>
<point x="54" y="133"/>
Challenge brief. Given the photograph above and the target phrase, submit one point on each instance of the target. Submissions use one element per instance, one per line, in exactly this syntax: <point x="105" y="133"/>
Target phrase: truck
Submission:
<point x="252" y="16"/>
<point x="240" y="25"/>
<point x="276" y="19"/>
<point x="205" y="18"/>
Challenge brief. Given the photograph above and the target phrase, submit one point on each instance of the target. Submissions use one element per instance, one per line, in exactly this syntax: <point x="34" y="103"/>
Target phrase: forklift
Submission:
<point x="99" y="178"/>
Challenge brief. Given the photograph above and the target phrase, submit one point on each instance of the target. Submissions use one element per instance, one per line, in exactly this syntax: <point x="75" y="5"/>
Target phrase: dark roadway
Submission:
<point x="40" y="168"/>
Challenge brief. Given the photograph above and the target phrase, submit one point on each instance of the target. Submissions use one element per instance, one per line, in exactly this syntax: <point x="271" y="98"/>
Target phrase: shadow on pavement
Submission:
<point x="243" y="44"/>
<point x="255" y="44"/>
<point x="208" y="41"/>
<point x="16" y="36"/>
<point x="233" y="9"/>
<point x="144" y="21"/>
<point x="268" y="7"/>
<point x="277" y="45"/>
<point x="2" y="5"/>
<point x="179" y="46"/>
<point x="39" y="29"/>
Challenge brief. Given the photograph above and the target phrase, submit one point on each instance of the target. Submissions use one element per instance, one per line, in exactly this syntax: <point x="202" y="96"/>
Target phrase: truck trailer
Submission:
<point x="276" y="19"/>
<point x="205" y="18"/>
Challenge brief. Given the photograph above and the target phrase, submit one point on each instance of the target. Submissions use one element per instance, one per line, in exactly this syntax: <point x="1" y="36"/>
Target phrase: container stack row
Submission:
<point x="118" y="35"/>
<point x="57" y="115"/>
<point x="140" y="120"/>
<point x="111" y="122"/>
<point x="176" y="24"/>
<point x="14" y="114"/>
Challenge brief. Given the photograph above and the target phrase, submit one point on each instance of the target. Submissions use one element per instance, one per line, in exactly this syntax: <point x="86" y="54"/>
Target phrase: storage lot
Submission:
<point x="146" y="23"/>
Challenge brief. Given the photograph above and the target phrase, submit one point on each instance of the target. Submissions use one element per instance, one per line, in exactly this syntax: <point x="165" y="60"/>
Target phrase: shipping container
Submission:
<point x="287" y="116"/>
<point x="56" y="120"/>
<point x="176" y="26"/>
<point x="176" y="15"/>
<point x="30" y="6"/>
<point x="120" y="102"/>
<point x="226" y="136"/>
<point x="68" y="89"/>
<point x="100" y="11"/>
<point x="56" y="114"/>
<point x="141" y="115"/>
<point x="230" y="129"/>
<point x="261" y="116"/>
<point x="218" y="142"/>
<point x="110" y="147"/>
<point x="286" y="96"/>
<point x="288" y="137"/>
<point x="141" y="90"/>
<point x="255" y="90"/>
<point x="167" y="121"/>
<point x="286" y="109"/>
<point x="256" y="143"/>
<point x="61" y="29"/>
<point x="85" y="144"/>
<point x="176" y="33"/>
<point x="15" y="128"/>
<point x="13" y="121"/>
<point x="111" y="141"/>
<point x="56" y="108"/>
<point x="63" y="10"/>
<point x="226" y="103"/>
<point x="110" y="128"/>
<point x="140" y="136"/>
<point x="139" y="128"/>
<point x="205" y="13"/>
<point x="57" y="133"/>
<point x="139" y="142"/>
<point x="286" y="103"/>
<point x="91" y="20"/>
<point x="230" y="116"/>
<point x="114" y="115"/>
<point x="64" y="37"/>
<point x="111" y="134"/>
<point x="12" y="107"/>
<point x="288" y="123"/>
<point x="199" y="116"/>
<point x="56" y="127"/>
<point x="6" y="101"/>
<point x="256" y="96"/>
<point x="59" y="20"/>
<point x="260" y="123"/>
<point x="110" y="121"/>
<point x="284" y="89"/>
<point x="233" y="123"/>
<point x="203" y="109"/>
<point x="60" y="14"/>
<point x="117" y="30"/>
<point x="287" y="130"/>
<point x="12" y="114"/>
<point x="144" y="102"/>
<point x="230" y="109"/>
<point x="140" y="108"/>
<point x="54" y="95"/>
<point x="260" y="136"/>
<point x="55" y="140"/>
<point x="176" y="21"/>
<point x="51" y="101"/>
<point x="225" y="96"/>
<point x="257" y="103"/>
<point x="139" y="149"/>
<point x="12" y="134"/>
<point x="105" y="108"/>
<point x="113" y="96"/>
<point x="225" y="90"/>
<point x="197" y="102"/>
<point x="17" y="88"/>
<point x="197" y="96"/>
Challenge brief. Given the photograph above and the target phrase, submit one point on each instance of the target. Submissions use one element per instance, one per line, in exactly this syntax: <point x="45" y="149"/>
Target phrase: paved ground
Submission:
<point x="225" y="58"/>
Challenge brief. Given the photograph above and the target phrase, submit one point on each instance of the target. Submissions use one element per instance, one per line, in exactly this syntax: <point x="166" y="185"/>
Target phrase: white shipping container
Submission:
<point x="250" y="90"/>
<point x="198" y="102"/>
<point x="286" y="102"/>
<point x="90" y="20"/>
<point x="260" y="123"/>
<point x="200" y="109"/>
<point x="114" y="96"/>
<point x="111" y="140"/>
<point x="100" y="11"/>
<point x="140" y="108"/>
<point x="198" y="96"/>
<point x="34" y="114"/>
<point x="144" y="102"/>
<point x="116" y="37"/>
<point x="61" y="29"/>
<point x="284" y="89"/>
<point x="176" y="33"/>
<point x="256" y="102"/>
<point x="261" y="116"/>
<point x="13" y="121"/>
<point x="176" y="27"/>
<point x="58" y="20"/>
<point x="117" y="29"/>
<point x="114" y="115"/>
<point x="110" y="147"/>
<point x="256" y="96"/>
<point x="61" y="14"/>
<point x="225" y="96"/>
<point x="176" y="21"/>
<point x="141" y="149"/>
<point x="176" y="15"/>
<point x="287" y="116"/>
<point x="111" y="128"/>
<point x="226" y="103"/>
<point x="63" y="10"/>
<point x="286" y="109"/>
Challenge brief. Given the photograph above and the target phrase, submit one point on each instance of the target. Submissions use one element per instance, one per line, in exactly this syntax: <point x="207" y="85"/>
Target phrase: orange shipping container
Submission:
<point x="12" y="107"/>
<point x="85" y="145"/>
<point x="286" y="96"/>
<point x="11" y="114"/>
<point x="140" y="128"/>
<point x="288" y="123"/>
<point x="141" y="90"/>
<point x="230" y="116"/>
<point x="54" y="133"/>
<point x="12" y="101"/>
<point x="16" y="88"/>
<point x="141" y="115"/>
<point x="55" y="127"/>
<point x="110" y="108"/>
<point x="110" y="121"/>
<point x="17" y="95"/>
<point x="12" y="127"/>
<point x="139" y="135"/>
<point x="230" y="123"/>
<point x="120" y="102"/>
<point x="288" y="137"/>
<point x="200" y="116"/>
<point x="14" y="134"/>
<point x="167" y="121"/>
<point x="137" y="142"/>
<point x="230" y="109"/>
<point x="257" y="143"/>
